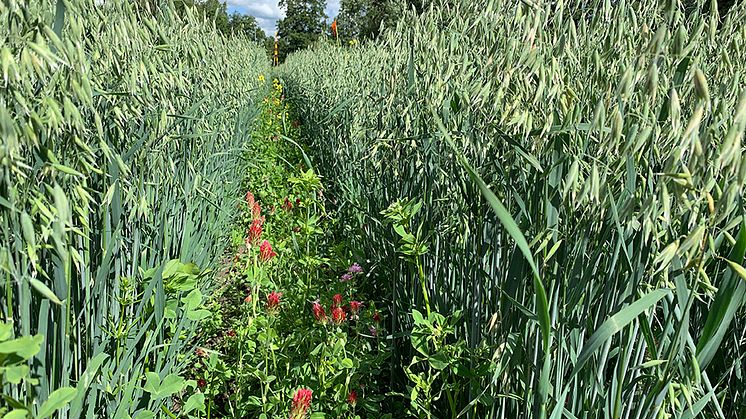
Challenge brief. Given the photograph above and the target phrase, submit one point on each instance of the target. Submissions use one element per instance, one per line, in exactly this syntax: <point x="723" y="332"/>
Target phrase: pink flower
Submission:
<point x="355" y="269"/>
<point x="346" y="277"/>
<point x="301" y="403"/>
<point x="265" y="251"/>
<point x="250" y="199"/>
<point x="273" y="301"/>
<point x="318" y="312"/>
<point x="256" y="210"/>
<point x="339" y="315"/>
<point x="352" y="398"/>
<point x="373" y="331"/>
<point x="337" y="300"/>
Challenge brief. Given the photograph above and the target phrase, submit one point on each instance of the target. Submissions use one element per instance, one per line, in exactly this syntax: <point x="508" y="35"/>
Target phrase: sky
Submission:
<point x="267" y="13"/>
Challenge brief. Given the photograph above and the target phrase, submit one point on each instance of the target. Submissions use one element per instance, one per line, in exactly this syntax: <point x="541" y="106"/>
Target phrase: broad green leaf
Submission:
<point x="195" y="402"/>
<point x="56" y="401"/>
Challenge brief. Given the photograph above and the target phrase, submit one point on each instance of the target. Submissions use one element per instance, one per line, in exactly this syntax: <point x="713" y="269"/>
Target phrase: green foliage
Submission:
<point x="121" y="132"/>
<point x="303" y="23"/>
<point x="581" y="173"/>
<point x="267" y="336"/>
<point x="362" y="19"/>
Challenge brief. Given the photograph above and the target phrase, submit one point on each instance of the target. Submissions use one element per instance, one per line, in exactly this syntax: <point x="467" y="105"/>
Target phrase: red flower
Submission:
<point x="355" y="307"/>
<point x="200" y="352"/>
<point x="339" y="315"/>
<point x="247" y="299"/>
<point x="376" y="317"/>
<point x="352" y="398"/>
<point x="301" y="403"/>
<point x="256" y="210"/>
<point x="255" y="231"/>
<point x="318" y="312"/>
<point x="250" y="199"/>
<point x="297" y="201"/>
<point x="231" y="333"/>
<point x="201" y="382"/>
<point x="287" y="205"/>
<point x="265" y="251"/>
<point x="273" y="301"/>
<point x="337" y="300"/>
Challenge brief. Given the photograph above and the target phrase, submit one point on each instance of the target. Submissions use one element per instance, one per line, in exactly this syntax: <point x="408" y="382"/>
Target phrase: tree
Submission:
<point x="246" y="25"/>
<point x="303" y="23"/>
<point x="362" y="19"/>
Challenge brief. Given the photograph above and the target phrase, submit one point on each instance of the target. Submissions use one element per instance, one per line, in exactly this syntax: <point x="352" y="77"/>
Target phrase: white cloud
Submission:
<point x="267" y="12"/>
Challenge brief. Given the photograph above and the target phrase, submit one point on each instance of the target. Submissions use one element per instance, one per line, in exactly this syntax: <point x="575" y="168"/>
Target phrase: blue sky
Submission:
<point x="267" y="13"/>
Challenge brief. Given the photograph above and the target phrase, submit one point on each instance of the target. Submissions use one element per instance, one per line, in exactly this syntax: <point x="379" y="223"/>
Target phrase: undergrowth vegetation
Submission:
<point x="291" y="331"/>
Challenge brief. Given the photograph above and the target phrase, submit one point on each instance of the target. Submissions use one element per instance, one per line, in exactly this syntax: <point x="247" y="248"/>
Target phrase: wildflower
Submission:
<point x="273" y="301"/>
<point x="301" y="403"/>
<point x="337" y="300"/>
<point x="261" y="78"/>
<point x="376" y="317"/>
<point x="256" y="210"/>
<point x="231" y="333"/>
<point x="355" y="307"/>
<point x="200" y="352"/>
<point x="255" y="231"/>
<point x="250" y="199"/>
<point x="346" y="277"/>
<point x="373" y="331"/>
<point x="352" y="398"/>
<point x="287" y="205"/>
<point x="265" y="251"/>
<point x="318" y="312"/>
<point x="297" y="201"/>
<point x="339" y="315"/>
<point x="201" y="383"/>
<point x="247" y="300"/>
<point x="355" y="269"/>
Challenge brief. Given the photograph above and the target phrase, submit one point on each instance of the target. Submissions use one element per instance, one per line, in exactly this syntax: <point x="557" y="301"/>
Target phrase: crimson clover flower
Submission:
<point x="355" y="307"/>
<point x="352" y="398"/>
<point x="318" y="312"/>
<point x="301" y="403"/>
<point x="273" y="301"/>
<point x="255" y="231"/>
<point x="265" y="251"/>
<point x="339" y="315"/>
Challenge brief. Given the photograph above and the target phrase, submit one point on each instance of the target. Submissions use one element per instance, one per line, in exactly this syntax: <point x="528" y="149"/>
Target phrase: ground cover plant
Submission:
<point x="498" y="209"/>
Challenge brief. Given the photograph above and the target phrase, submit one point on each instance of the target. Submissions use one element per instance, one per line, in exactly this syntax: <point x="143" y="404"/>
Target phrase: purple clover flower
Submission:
<point x="355" y="269"/>
<point x="346" y="277"/>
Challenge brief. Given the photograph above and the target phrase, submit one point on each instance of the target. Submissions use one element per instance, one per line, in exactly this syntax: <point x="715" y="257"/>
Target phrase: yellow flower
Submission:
<point x="261" y="78"/>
